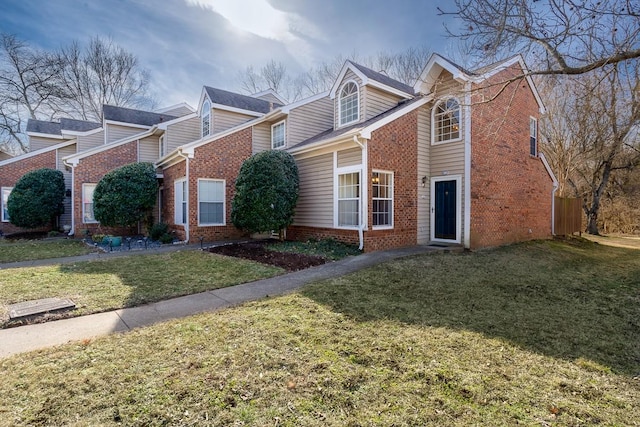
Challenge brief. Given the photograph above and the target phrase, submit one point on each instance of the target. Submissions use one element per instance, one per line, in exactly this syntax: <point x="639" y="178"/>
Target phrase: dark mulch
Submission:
<point x="256" y="251"/>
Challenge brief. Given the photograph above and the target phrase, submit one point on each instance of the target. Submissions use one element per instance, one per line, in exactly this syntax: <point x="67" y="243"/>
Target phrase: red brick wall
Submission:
<point x="304" y="233"/>
<point x="90" y="170"/>
<point x="11" y="173"/>
<point x="510" y="189"/>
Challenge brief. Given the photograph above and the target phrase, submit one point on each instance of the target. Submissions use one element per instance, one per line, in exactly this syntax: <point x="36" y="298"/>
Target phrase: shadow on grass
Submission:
<point x="566" y="300"/>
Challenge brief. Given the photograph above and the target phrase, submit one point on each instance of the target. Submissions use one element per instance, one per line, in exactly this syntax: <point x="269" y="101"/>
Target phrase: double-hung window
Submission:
<point x="348" y="102"/>
<point x="382" y="199"/>
<point x="349" y="199"/>
<point x="211" y="202"/>
<point x="277" y="135"/>
<point x="533" y="136"/>
<point x="5" y="199"/>
<point x="180" y="201"/>
<point x="87" y="203"/>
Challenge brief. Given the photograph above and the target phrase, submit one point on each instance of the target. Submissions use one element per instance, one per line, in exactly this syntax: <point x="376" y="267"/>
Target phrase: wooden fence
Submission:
<point x="567" y="216"/>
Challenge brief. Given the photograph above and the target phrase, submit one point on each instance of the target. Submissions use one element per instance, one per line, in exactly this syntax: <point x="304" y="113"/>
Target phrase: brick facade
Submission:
<point x="12" y="172"/>
<point x="510" y="189"/>
<point x="172" y="174"/>
<point x="90" y="170"/>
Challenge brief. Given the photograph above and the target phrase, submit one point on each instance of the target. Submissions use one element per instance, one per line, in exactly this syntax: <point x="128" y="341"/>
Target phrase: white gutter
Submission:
<point x="553" y="192"/>
<point x="363" y="193"/>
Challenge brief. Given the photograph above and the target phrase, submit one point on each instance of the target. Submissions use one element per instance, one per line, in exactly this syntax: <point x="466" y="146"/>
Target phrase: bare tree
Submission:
<point x="592" y="135"/>
<point x="103" y="73"/>
<point x="566" y="36"/>
<point x="273" y="75"/>
<point x="28" y="89"/>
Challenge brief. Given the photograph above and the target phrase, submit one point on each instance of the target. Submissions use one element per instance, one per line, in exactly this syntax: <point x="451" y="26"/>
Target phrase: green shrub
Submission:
<point x="157" y="230"/>
<point x="36" y="199"/>
<point x="166" y="238"/>
<point x="53" y="233"/>
<point x="125" y="195"/>
<point x="266" y="192"/>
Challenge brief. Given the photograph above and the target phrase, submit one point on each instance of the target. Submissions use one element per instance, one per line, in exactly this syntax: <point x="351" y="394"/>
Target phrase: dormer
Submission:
<point x="360" y="94"/>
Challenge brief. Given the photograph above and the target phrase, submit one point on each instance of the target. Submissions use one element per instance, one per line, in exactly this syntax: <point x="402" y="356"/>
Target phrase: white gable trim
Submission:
<point x="270" y="92"/>
<point x="236" y="110"/>
<point x="74" y="159"/>
<point x="37" y="152"/>
<point x="432" y="70"/>
<point x="173" y="107"/>
<point x="125" y="124"/>
<point x="45" y="135"/>
<point x="366" y="81"/>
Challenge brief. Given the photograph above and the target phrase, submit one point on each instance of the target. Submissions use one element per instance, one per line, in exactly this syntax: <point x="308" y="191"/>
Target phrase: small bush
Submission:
<point x="166" y="238"/>
<point x="53" y="233"/>
<point x="37" y="198"/>
<point x="158" y="230"/>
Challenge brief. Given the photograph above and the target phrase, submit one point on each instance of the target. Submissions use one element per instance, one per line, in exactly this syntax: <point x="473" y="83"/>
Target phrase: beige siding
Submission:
<point x="315" y="200"/>
<point x="309" y="120"/>
<point x="375" y="101"/>
<point x="336" y="101"/>
<point x="424" y="170"/>
<point x="38" y="143"/>
<point x="223" y="120"/>
<point x="446" y="85"/>
<point x="261" y="137"/>
<point x="181" y="133"/>
<point x="88" y="142"/>
<point x="148" y="149"/>
<point x="270" y="98"/>
<point x="447" y="160"/>
<point x="65" y="218"/>
<point x="179" y="111"/>
<point x="5" y="156"/>
<point x="117" y="132"/>
<point x="351" y="157"/>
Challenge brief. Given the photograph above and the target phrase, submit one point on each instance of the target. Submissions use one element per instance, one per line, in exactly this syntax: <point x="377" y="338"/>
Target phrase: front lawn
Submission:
<point x="29" y="250"/>
<point x="542" y="333"/>
<point x="114" y="283"/>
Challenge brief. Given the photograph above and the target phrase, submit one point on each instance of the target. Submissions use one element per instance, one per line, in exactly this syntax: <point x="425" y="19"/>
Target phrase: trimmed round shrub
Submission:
<point x="37" y="199"/>
<point x="125" y="195"/>
<point x="266" y="192"/>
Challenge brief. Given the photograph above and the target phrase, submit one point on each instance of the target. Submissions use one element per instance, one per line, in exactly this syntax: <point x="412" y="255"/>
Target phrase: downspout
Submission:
<point x="186" y="224"/>
<point x="364" y="196"/>
<point x="556" y="185"/>
<point x="72" y="232"/>
<point x="467" y="168"/>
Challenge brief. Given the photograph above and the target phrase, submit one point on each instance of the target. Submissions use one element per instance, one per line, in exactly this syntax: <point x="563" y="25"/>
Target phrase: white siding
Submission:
<point x="424" y="170"/>
<point x="117" y="132"/>
<point x="349" y="75"/>
<point x="375" y="101"/>
<point x="38" y="143"/>
<point x="315" y="200"/>
<point x="65" y="218"/>
<point x="261" y="137"/>
<point x="350" y="157"/>
<point x="148" y="149"/>
<point x="309" y="120"/>
<point x="223" y="120"/>
<point x="90" y="141"/>
<point x="181" y="133"/>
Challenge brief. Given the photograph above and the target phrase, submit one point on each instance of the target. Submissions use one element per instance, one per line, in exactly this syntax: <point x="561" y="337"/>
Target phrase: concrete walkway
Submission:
<point x="32" y="337"/>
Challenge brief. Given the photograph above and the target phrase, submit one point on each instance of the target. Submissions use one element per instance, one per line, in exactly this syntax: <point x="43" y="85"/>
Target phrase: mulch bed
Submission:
<point x="256" y="251"/>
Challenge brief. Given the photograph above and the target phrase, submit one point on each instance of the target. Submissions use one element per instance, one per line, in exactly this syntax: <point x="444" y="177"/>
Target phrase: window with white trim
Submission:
<point x="180" y="202"/>
<point x="277" y="135"/>
<point x="349" y="199"/>
<point x="4" y="201"/>
<point x="533" y="136"/>
<point x="205" y="116"/>
<point x="161" y="146"/>
<point x="348" y="102"/>
<point x="87" y="203"/>
<point x="382" y="199"/>
<point x="211" y="201"/>
<point x="446" y="121"/>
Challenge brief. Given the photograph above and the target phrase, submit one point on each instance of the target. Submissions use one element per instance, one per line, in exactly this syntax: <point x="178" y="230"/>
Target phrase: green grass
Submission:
<point x="327" y="248"/>
<point x="543" y="333"/>
<point x="29" y="250"/>
<point x="109" y="284"/>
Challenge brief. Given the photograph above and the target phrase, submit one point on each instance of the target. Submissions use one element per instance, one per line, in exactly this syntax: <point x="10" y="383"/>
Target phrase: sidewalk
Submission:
<point x="32" y="337"/>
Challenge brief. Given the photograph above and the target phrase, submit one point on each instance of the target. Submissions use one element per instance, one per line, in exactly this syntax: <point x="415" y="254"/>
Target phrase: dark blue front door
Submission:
<point x="445" y="210"/>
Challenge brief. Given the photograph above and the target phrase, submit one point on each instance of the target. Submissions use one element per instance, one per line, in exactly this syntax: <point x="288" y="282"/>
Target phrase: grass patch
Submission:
<point x="109" y="284"/>
<point x="326" y="248"/>
<point x="29" y="250"/>
<point x="487" y="338"/>
<point x="620" y="241"/>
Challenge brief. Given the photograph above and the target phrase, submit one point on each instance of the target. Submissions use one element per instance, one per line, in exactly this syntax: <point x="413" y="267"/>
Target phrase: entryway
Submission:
<point x="445" y="208"/>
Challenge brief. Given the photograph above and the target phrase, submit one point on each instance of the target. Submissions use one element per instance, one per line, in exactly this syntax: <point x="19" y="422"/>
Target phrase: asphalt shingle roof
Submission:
<point x="236" y="100"/>
<point x="128" y="115"/>
<point x="78" y="125"/>
<point x="41" y="126"/>
<point x="384" y="79"/>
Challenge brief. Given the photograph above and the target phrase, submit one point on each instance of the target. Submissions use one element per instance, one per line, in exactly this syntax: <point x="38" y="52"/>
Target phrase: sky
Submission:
<point x="186" y="44"/>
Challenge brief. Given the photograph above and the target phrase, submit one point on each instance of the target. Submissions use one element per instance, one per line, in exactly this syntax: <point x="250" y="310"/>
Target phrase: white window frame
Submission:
<point x="86" y="220"/>
<point x="390" y="199"/>
<point x="357" y="118"/>
<point x="161" y="146"/>
<point x="3" y="202"/>
<point x="533" y="136"/>
<point x="337" y="199"/>
<point x="224" y="203"/>
<point x="205" y="114"/>
<point x="180" y="198"/>
<point x="434" y="118"/>
<point x="284" y="135"/>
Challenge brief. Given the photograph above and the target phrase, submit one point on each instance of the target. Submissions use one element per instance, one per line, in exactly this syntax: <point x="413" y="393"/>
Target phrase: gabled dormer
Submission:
<point x="359" y="93"/>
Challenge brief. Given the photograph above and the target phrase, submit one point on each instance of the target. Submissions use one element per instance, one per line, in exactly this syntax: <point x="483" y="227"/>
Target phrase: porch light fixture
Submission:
<point x="424" y="181"/>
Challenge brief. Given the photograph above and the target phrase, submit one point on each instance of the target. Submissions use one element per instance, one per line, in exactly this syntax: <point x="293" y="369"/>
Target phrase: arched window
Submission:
<point x="446" y="121"/>
<point x="349" y="99"/>
<point x="205" y="115"/>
